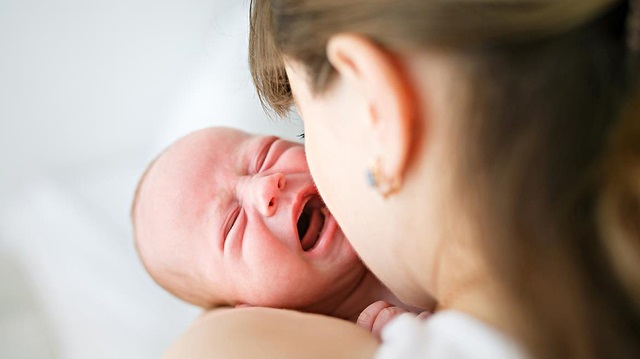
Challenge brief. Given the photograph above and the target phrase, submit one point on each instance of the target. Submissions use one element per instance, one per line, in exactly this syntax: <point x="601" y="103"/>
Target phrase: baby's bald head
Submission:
<point x="167" y="223"/>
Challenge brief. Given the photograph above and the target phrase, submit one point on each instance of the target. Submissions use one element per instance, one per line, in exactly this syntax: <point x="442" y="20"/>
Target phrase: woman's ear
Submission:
<point x="379" y="77"/>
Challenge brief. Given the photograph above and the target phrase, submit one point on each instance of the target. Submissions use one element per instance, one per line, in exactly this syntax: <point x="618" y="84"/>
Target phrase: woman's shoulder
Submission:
<point x="266" y="333"/>
<point x="447" y="334"/>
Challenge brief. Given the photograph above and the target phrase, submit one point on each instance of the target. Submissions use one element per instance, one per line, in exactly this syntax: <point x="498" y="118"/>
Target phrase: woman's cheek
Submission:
<point x="316" y="160"/>
<point x="311" y="155"/>
<point x="322" y="157"/>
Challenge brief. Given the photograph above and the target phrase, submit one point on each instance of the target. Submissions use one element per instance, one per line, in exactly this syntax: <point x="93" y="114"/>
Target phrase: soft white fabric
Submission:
<point x="447" y="334"/>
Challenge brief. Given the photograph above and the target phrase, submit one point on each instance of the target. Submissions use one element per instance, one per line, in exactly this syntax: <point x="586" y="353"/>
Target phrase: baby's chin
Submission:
<point x="308" y="295"/>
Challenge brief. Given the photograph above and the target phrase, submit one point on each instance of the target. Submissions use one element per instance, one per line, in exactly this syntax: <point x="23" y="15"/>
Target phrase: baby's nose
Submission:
<point x="266" y="193"/>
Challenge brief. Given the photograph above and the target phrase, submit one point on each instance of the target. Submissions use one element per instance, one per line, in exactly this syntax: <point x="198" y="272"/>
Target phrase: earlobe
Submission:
<point x="380" y="78"/>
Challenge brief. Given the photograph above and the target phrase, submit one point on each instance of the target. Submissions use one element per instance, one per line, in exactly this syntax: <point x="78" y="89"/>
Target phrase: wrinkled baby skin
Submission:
<point x="223" y="217"/>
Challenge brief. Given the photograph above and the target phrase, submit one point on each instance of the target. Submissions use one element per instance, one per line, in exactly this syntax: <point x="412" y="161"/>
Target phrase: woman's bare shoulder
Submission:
<point x="271" y="333"/>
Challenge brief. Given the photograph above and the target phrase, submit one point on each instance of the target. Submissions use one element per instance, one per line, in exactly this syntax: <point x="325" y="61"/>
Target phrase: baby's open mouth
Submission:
<point x="311" y="222"/>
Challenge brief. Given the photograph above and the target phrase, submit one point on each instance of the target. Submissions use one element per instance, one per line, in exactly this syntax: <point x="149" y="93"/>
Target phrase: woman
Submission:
<point x="501" y="146"/>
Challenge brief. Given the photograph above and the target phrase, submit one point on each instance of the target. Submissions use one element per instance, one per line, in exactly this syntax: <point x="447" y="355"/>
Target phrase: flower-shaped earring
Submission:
<point x="376" y="179"/>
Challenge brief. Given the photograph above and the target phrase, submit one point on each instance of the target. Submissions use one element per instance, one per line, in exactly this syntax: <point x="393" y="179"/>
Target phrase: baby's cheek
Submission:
<point x="279" y="281"/>
<point x="295" y="159"/>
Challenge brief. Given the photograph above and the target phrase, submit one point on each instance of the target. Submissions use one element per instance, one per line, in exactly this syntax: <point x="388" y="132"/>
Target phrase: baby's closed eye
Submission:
<point x="231" y="220"/>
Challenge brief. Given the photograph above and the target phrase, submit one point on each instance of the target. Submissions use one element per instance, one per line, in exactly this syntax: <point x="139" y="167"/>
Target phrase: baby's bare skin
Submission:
<point x="224" y="218"/>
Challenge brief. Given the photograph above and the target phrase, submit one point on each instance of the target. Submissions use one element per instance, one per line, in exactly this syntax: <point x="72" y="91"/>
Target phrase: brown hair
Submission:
<point x="552" y="126"/>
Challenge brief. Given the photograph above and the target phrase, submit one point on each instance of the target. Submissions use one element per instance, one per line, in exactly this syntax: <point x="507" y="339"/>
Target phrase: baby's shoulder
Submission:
<point x="267" y="332"/>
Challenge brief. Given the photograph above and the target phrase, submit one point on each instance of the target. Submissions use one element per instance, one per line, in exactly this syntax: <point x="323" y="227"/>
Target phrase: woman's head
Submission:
<point x="511" y="128"/>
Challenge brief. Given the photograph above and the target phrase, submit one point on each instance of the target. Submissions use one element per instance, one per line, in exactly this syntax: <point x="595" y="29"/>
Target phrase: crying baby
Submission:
<point x="226" y="218"/>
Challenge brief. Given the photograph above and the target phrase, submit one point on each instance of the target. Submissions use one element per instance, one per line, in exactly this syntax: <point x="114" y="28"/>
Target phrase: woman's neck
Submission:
<point x="475" y="293"/>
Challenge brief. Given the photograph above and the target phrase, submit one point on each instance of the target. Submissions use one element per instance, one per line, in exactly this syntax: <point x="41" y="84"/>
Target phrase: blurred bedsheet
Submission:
<point x="70" y="232"/>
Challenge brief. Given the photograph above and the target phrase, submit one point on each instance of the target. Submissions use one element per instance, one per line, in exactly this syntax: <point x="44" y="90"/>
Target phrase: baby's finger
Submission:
<point x="369" y="314"/>
<point x="385" y="317"/>
<point x="424" y="315"/>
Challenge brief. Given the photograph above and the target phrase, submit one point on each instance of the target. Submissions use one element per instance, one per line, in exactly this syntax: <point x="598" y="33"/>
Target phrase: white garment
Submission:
<point x="447" y="334"/>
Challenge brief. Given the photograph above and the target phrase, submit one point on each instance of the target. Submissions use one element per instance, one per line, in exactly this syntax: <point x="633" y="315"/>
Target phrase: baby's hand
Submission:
<point x="374" y="317"/>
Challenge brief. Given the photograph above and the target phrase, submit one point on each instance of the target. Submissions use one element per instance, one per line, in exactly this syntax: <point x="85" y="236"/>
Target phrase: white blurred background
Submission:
<point x="90" y="92"/>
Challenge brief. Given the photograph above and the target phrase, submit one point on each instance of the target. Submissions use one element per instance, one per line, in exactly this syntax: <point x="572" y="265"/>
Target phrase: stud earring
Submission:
<point x="372" y="176"/>
<point x="377" y="180"/>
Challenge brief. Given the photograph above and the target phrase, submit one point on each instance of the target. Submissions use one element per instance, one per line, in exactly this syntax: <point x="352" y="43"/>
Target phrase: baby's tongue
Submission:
<point x="316" y="223"/>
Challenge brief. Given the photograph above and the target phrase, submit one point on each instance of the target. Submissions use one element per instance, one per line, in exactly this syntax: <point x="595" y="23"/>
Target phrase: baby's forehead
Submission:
<point x="177" y="185"/>
<point x="213" y="143"/>
<point x="215" y="138"/>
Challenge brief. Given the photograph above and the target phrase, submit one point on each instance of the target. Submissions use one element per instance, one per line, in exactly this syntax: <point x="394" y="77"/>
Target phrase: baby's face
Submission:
<point x="238" y="217"/>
